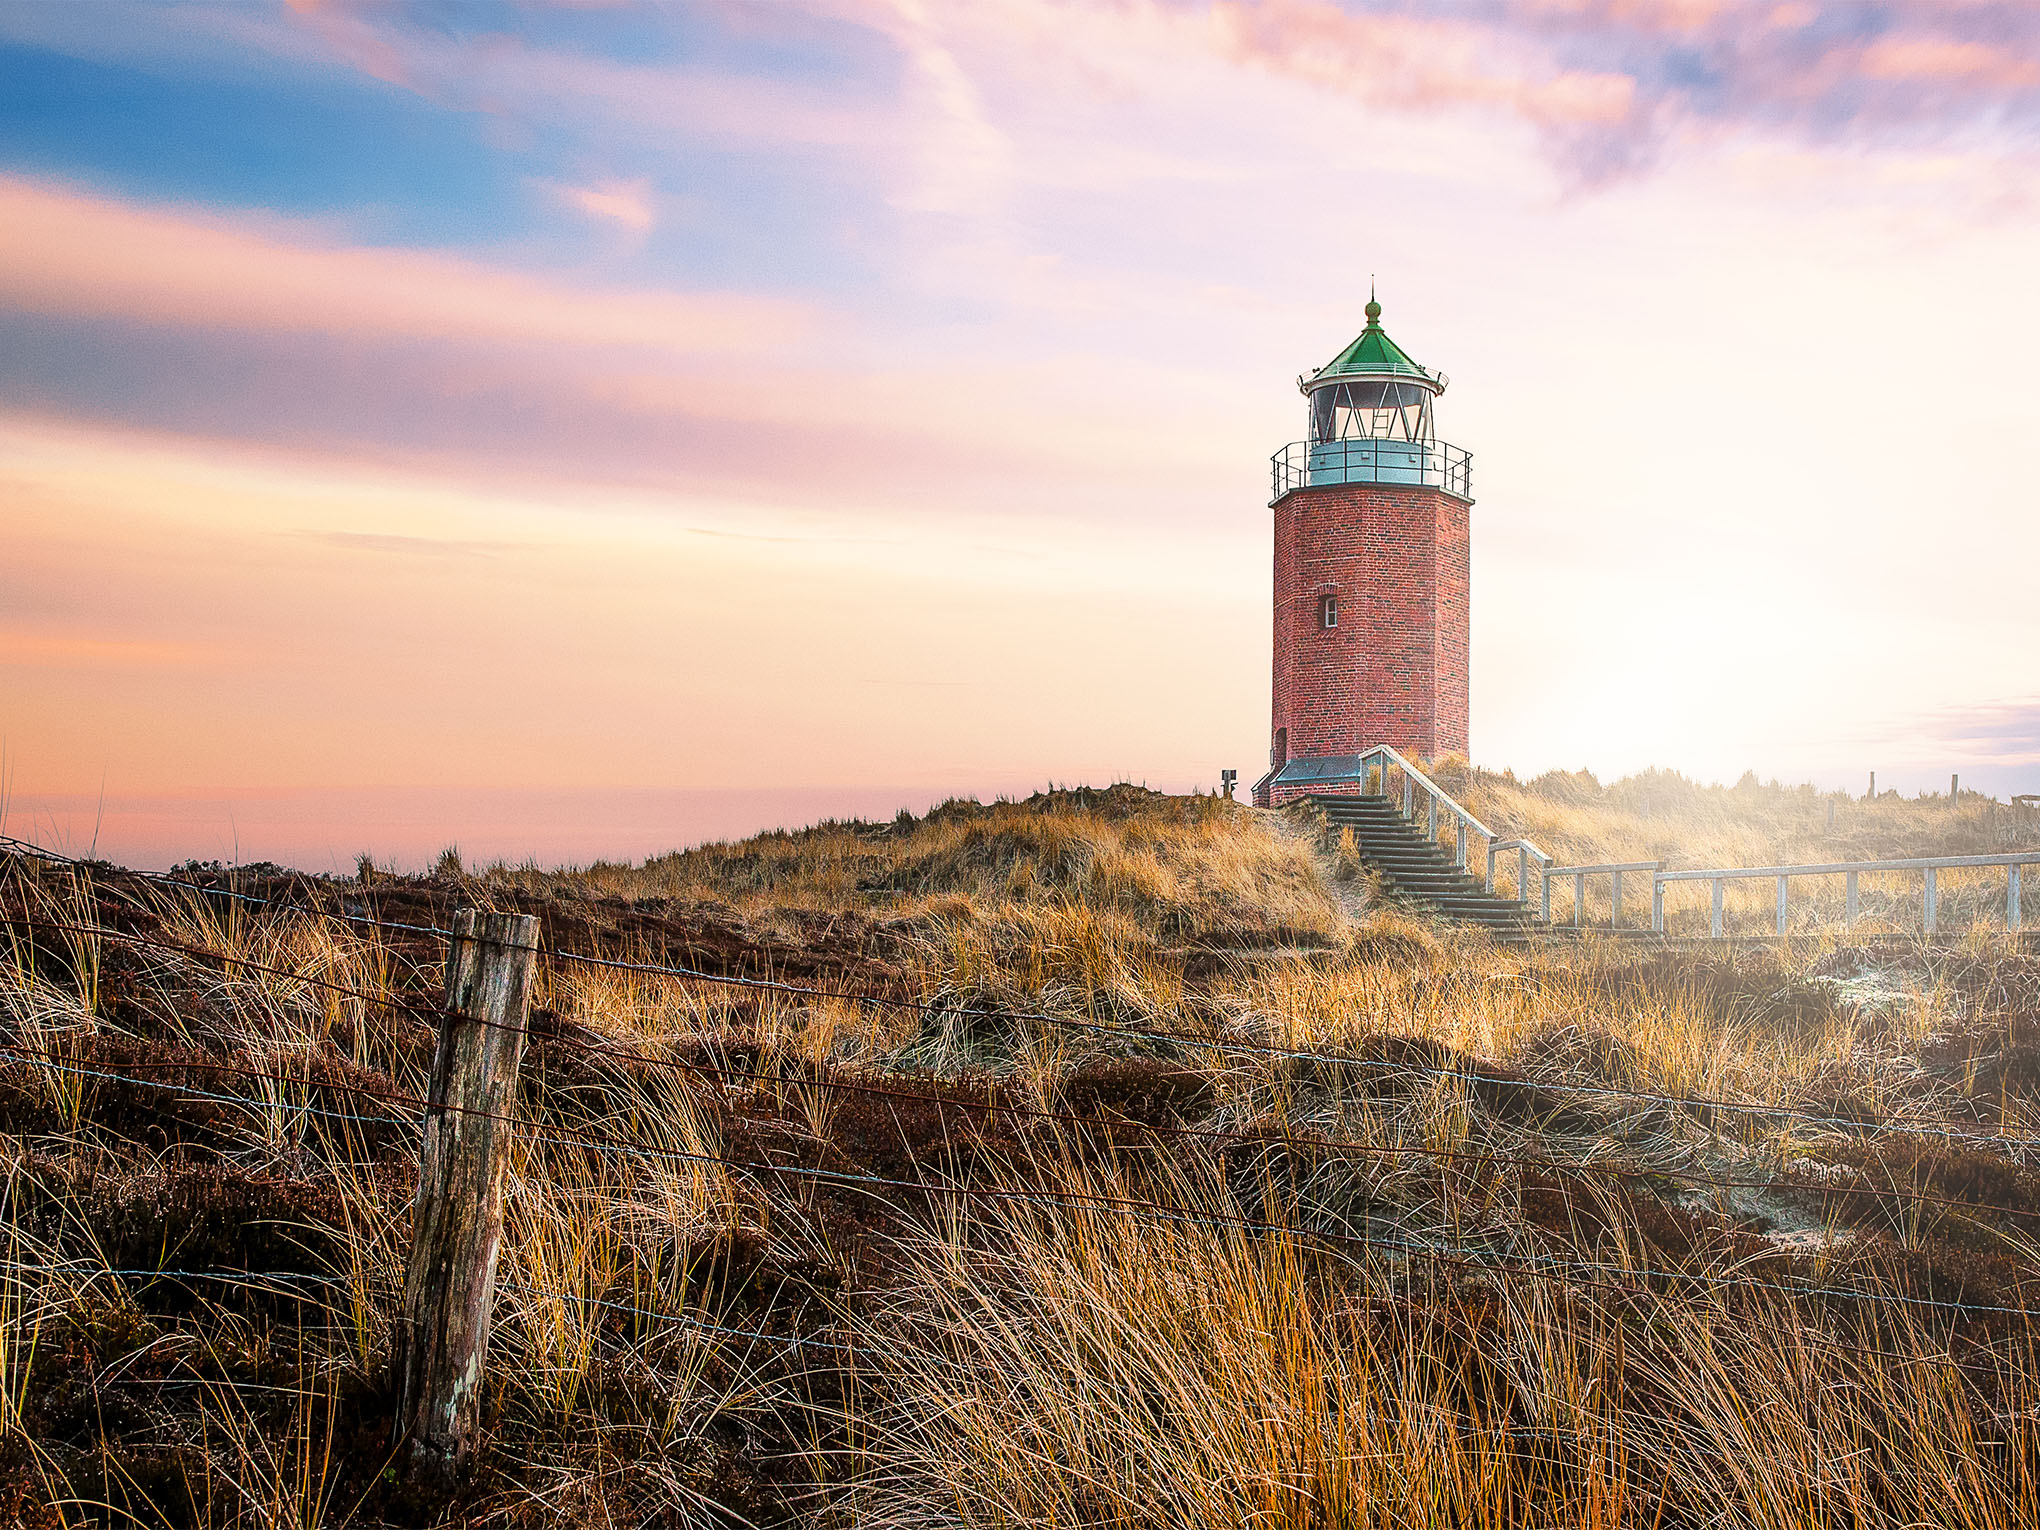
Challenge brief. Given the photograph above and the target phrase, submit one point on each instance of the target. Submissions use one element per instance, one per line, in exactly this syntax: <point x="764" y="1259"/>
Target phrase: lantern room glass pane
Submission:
<point x="1371" y="409"/>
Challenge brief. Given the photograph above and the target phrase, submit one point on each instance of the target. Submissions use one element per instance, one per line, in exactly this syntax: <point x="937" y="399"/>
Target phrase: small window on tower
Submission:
<point x="1328" y="611"/>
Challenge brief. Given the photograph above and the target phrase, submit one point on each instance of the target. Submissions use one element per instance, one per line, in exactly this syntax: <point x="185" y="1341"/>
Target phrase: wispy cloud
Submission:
<point x="1610" y="84"/>
<point x="628" y="203"/>
<point x="67" y="250"/>
<point x="62" y="651"/>
<point x="2005" y="732"/>
<point x="410" y="546"/>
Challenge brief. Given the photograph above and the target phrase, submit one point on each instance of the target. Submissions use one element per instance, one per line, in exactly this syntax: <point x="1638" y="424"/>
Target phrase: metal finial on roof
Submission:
<point x="1373" y="312"/>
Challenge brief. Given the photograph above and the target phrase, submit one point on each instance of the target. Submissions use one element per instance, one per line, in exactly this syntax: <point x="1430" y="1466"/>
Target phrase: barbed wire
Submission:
<point x="1213" y="1040"/>
<point x="723" y="1074"/>
<point x="161" y="878"/>
<point x="1569" y="1271"/>
<point x="93" y="1272"/>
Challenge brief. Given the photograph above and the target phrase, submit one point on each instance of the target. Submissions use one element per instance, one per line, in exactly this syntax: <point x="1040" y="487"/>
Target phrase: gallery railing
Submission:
<point x="1367" y="459"/>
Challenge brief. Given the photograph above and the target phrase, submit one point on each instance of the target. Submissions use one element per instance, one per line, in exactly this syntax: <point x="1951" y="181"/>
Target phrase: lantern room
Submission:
<point x="1372" y="419"/>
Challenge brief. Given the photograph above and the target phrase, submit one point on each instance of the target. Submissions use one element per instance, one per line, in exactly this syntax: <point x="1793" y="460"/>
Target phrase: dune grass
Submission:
<point x="1441" y="1271"/>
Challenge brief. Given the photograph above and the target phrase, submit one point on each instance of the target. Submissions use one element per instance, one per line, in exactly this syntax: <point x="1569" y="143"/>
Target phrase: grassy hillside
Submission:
<point x="1197" y="1193"/>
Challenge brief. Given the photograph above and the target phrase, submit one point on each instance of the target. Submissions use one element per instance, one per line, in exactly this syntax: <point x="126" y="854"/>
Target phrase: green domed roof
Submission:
<point x="1374" y="355"/>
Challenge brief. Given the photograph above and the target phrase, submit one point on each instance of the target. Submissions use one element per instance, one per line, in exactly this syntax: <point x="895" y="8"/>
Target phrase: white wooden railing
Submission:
<point x="1423" y="800"/>
<point x="1928" y="866"/>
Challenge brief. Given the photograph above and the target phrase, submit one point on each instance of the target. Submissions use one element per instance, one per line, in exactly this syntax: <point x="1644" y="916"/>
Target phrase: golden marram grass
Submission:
<point x="1239" y="1199"/>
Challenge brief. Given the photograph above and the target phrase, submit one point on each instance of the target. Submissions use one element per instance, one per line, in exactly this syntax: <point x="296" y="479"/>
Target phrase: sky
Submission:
<point x="575" y="431"/>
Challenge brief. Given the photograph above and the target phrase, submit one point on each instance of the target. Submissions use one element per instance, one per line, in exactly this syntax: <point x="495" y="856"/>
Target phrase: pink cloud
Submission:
<point x="68" y="651"/>
<point x="626" y="202"/>
<point x="1417" y="62"/>
<point x="67" y="251"/>
<point x="1941" y="61"/>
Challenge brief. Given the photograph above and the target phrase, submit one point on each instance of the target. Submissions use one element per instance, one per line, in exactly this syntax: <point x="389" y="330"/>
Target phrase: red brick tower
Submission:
<point x="1371" y="542"/>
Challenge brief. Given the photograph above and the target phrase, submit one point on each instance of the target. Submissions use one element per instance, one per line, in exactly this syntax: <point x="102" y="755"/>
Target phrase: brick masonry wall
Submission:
<point x="1394" y="671"/>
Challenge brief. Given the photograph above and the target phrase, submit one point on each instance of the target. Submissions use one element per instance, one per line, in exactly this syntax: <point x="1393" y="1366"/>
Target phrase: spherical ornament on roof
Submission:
<point x="1373" y="312"/>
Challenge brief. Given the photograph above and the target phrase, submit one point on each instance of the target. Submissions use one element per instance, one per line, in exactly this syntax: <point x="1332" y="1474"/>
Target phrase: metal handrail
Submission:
<point x="1373" y="459"/>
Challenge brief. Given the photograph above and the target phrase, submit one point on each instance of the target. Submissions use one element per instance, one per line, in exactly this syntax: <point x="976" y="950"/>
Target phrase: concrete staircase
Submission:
<point x="1417" y="870"/>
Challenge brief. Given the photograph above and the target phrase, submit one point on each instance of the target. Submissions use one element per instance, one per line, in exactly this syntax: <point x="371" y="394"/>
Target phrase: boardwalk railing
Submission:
<point x="1614" y="871"/>
<point x="1930" y="893"/>
<point x="1424" y="802"/>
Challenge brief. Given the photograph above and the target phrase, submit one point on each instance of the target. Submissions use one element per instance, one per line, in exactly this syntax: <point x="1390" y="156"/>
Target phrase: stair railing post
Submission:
<point x="1491" y="866"/>
<point x="1544" y="877"/>
<point x="1657" y="903"/>
<point x="1522" y="873"/>
<point x="1461" y="852"/>
<point x="442" y="1336"/>
<point x="1431" y="820"/>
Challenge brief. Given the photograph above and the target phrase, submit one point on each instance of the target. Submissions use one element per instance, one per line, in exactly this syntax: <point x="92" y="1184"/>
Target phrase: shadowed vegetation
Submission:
<point x="1498" y="1250"/>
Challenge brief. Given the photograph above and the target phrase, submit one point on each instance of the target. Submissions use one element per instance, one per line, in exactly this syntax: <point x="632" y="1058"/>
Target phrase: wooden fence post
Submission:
<point x="443" y="1334"/>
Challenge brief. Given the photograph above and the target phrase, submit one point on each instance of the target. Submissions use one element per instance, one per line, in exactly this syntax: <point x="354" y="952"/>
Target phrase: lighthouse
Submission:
<point x="1371" y="573"/>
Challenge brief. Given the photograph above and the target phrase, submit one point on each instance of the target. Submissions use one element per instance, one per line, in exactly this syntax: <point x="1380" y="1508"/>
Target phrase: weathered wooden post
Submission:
<point x="2012" y="896"/>
<point x="443" y="1333"/>
<point x="1932" y="901"/>
<point x="1849" y="919"/>
<point x="1781" y="905"/>
<point x="1954" y="790"/>
<point x="1871" y="795"/>
<point x="1715" y="932"/>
